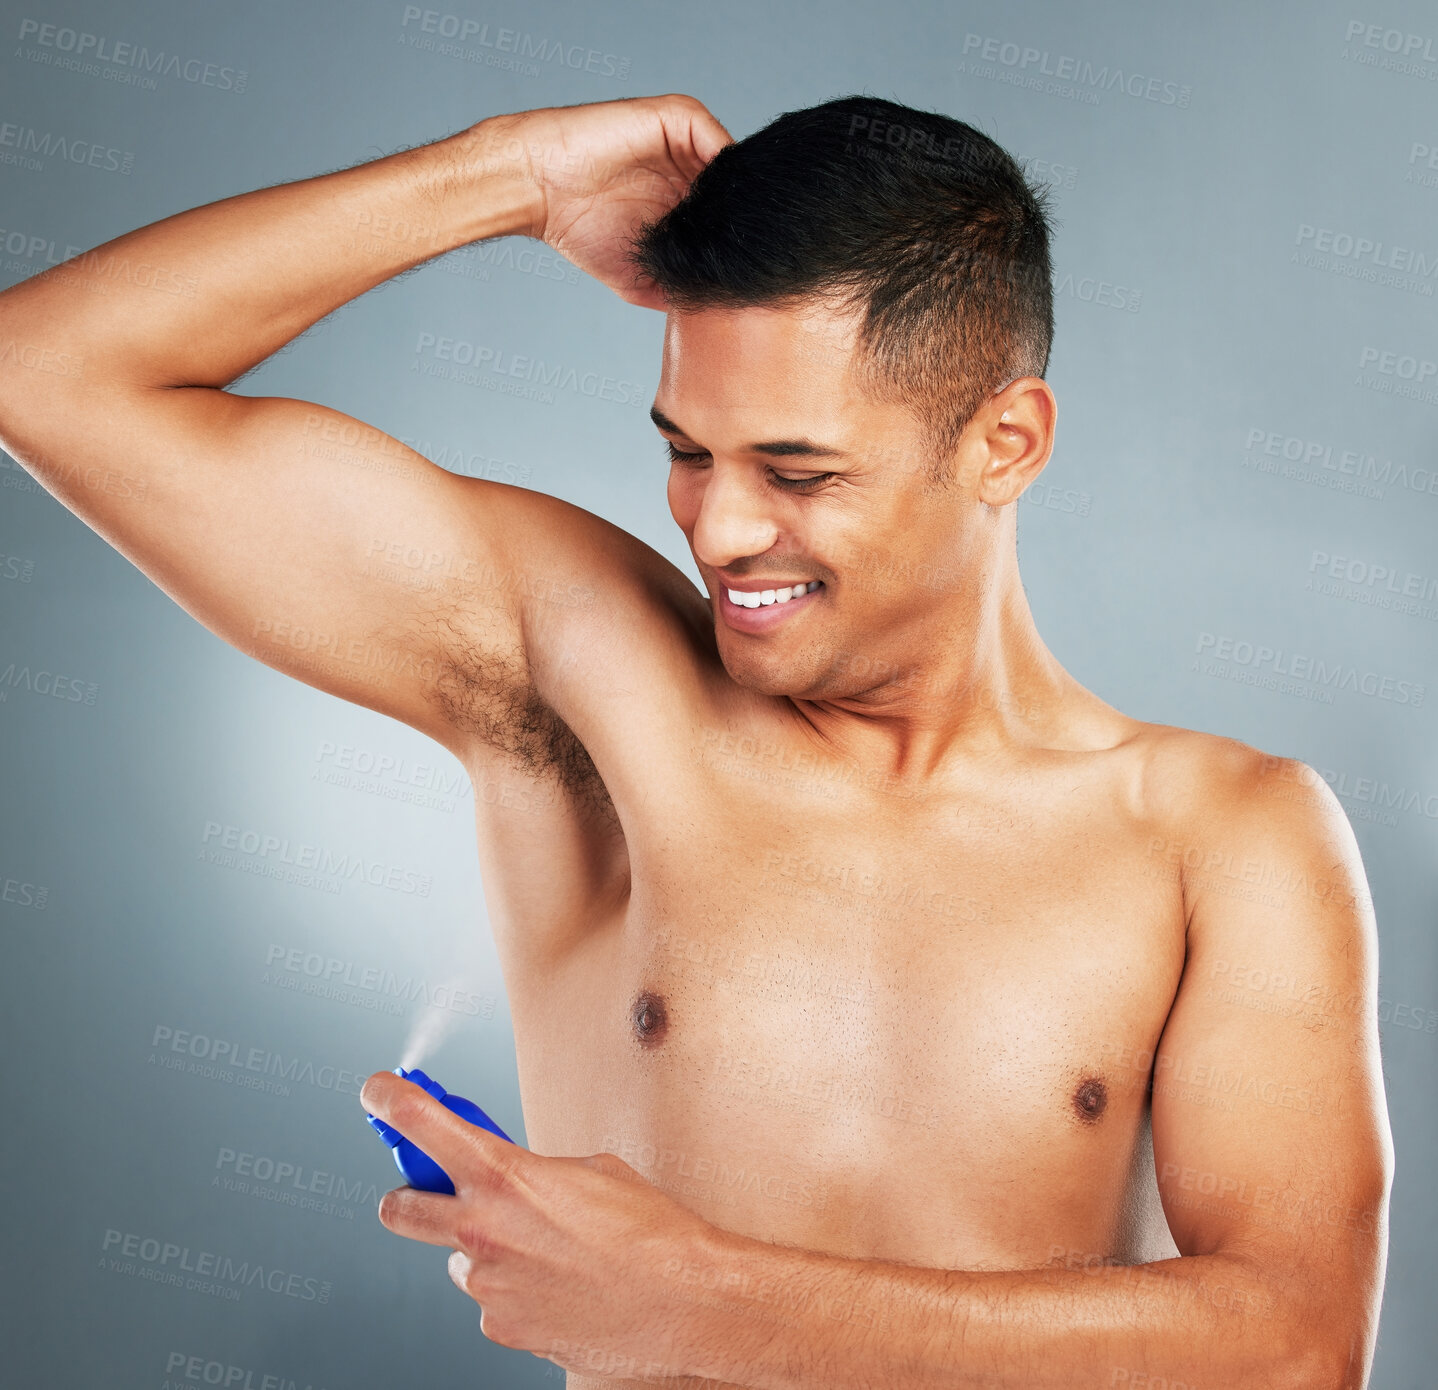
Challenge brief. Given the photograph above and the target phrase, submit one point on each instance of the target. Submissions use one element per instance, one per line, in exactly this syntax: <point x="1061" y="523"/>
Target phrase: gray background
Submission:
<point x="1162" y="528"/>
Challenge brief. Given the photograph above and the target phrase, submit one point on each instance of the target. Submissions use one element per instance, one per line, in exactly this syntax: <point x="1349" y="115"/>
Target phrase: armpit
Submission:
<point x="493" y="699"/>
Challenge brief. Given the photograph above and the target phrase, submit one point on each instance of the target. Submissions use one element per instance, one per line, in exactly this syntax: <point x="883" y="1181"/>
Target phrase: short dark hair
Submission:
<point x="921" y="220"/>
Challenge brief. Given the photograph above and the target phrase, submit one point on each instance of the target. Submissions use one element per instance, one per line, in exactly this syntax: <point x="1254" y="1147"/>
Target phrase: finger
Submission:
<point x="430" y="1217"/>
<point x="470" y="1155"/>
<point x="695" y="136"/>
<point x="708" y="135"/>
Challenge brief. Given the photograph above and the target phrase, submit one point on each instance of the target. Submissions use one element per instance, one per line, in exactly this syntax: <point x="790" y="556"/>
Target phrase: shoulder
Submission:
<point x="1193" y="774"/>
<point x="1222" y="810"/>
<point x="1251" y="834"/>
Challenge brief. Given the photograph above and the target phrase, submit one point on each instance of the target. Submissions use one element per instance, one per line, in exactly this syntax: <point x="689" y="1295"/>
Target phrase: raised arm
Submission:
<point x="287" y="528"/>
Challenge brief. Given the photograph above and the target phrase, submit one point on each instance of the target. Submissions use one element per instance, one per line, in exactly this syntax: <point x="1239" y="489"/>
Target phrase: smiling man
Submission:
<point x="932" y="1021"/>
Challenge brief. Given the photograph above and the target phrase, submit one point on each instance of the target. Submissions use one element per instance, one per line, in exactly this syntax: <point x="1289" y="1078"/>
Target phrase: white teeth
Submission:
<point x="756" y="598"/>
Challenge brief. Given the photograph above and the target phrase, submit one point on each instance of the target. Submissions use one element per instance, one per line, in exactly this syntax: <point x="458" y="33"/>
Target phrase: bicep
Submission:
<point x="1270" y="1129"/>
<point x="314" y="543"/>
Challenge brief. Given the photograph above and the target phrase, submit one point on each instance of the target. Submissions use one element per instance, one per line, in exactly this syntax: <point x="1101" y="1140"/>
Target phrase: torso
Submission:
<point x="855" y="1018"/>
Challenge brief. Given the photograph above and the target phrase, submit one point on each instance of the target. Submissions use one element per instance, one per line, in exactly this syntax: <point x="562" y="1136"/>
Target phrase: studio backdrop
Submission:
<point x="1237" y="532"/>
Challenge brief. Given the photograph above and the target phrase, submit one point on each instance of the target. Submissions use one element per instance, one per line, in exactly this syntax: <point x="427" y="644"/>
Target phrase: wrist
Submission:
<point x="489" y="176"/>
<point x="732" y="1298"/>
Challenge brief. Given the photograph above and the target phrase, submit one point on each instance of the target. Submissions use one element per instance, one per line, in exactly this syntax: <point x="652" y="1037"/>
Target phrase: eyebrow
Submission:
<point x="774" y="448"/>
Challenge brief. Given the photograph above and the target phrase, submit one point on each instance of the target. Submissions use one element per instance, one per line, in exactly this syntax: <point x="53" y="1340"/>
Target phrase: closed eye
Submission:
<point x="679" y="456"/>
<point x="785" y="484"/>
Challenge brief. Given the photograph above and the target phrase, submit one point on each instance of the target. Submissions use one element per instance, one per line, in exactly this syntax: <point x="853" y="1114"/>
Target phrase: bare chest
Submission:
<point x="904" y="1035"/>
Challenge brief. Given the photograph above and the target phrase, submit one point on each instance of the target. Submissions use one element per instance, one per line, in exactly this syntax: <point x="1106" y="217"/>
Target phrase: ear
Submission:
<point x="1015" y="429"/>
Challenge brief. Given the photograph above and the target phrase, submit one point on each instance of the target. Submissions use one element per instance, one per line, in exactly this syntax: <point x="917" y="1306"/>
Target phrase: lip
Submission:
<point x="764" y="618"/>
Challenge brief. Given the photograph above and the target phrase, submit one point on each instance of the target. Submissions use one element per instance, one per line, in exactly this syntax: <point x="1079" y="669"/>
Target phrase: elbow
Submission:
<point x="1325" y="1356"/>
<point x="1334" y="1367"/>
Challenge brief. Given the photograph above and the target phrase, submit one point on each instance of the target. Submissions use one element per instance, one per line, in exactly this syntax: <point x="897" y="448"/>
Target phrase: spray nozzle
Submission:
<point x="418" y="1168"/>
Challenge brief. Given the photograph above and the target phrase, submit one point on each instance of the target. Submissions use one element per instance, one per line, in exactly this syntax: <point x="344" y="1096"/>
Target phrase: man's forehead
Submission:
<point x="759" y="366"/>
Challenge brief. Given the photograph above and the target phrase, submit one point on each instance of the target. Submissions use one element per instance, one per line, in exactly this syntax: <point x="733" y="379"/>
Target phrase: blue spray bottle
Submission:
<point x="419" y="1169"/>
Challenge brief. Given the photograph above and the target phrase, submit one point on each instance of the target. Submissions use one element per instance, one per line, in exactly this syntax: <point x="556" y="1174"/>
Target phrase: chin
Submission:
<point x="768" y="676"/>
<point x="804" y="677"/>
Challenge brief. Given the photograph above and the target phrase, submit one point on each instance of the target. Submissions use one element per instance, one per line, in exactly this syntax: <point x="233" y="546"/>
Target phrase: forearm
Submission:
<point x="263" y="266"/>
<point x="777" y="1318"/>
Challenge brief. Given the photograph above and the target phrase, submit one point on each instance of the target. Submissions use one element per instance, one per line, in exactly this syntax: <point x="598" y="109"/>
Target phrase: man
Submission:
<point x="889" y="1009"/>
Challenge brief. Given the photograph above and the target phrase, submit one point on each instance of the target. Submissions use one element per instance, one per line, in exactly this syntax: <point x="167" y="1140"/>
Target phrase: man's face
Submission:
<point x="800" y="476"/>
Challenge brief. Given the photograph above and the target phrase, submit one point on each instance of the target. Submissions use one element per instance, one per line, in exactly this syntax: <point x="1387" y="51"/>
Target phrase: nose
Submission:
<point x="734" y="519"/>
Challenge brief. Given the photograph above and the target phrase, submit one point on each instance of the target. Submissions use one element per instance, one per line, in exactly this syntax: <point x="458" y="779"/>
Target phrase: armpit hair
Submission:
<point x="495" y="699"/>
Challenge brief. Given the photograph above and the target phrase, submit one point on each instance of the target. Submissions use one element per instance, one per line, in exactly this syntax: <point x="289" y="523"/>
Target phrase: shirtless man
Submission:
<point x="889" y="1009"/>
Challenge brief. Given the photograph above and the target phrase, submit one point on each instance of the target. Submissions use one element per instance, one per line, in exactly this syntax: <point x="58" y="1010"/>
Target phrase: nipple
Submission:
<point x="1090" y="1100"/>
<point x="649" y="1018"/>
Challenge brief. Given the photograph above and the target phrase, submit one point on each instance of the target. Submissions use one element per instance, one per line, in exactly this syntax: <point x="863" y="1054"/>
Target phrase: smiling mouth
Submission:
<point x="763" y="598"/>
